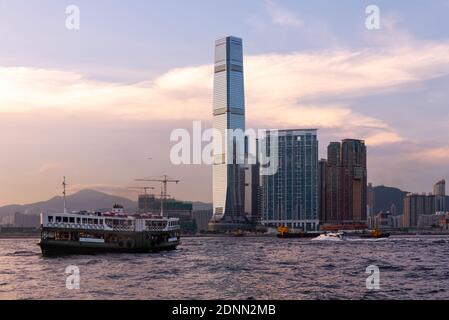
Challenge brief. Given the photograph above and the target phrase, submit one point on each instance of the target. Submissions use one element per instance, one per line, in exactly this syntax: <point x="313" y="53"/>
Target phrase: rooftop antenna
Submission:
<point x="64" y="193"/>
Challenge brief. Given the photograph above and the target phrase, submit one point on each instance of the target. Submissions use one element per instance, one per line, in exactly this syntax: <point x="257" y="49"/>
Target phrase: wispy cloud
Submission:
<point x="297" y="89"/>
<point x="281" y="16"/>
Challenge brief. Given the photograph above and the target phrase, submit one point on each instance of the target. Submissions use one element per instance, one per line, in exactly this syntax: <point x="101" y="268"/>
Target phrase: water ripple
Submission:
<point x="236" y="268"/>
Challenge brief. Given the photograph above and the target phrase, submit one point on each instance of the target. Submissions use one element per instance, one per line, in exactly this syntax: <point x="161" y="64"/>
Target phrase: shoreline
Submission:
<point x="37" y="236"/>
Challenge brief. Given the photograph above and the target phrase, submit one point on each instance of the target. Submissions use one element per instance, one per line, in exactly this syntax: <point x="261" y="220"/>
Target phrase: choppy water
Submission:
<point x="236" y="268"/>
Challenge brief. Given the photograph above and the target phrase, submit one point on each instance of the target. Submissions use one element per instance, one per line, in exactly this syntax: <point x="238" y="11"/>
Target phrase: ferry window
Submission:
<point x="58" y="219"/>
<point x="84" y="220"/>
<point x="50" y="218"/>
<point x="72" y="220"/>
<point x="89" y="221"/>
<point x="78" y="220"/>
<point x="101" y="221"/>
<point x="95" y="221"/>
<point x="65" y="219"/>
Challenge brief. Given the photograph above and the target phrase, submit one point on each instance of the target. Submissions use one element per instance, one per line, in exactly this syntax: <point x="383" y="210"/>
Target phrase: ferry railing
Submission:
<point x="65" y="225"/>
<point x="123" y="228"/>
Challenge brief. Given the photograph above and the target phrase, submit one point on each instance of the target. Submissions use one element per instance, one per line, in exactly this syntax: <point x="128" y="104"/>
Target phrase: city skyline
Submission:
<point x="91" y="111"/>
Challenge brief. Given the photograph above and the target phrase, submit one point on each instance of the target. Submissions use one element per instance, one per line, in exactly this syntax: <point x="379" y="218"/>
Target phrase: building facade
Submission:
<point x="228" y="114"/>
<point x="439" y="191"/>
<point x="416" y="205"/>
<point x="148" y="203"/>
<point x="333" y="184"/>
<point x="370" y="201"/>
<point x="290" y="196"/>
<point x="354" y="181"/>
<point x="20" y="221"/>
<point x="322" y="189"/>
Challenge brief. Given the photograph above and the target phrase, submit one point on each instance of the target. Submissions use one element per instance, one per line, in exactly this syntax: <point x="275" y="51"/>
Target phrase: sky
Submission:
<point x="98" y="104"/>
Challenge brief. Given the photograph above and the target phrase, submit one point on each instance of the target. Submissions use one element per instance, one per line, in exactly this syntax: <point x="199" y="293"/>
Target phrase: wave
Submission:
<point x="23" y="253"/>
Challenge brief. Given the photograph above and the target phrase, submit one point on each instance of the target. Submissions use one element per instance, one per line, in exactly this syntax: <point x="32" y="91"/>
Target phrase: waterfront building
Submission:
<point x="20" y="221"/>
<point x="290" y="196"/>
<point x="148" y="203"/>
<point x="439" y="191"/>
<point x="322" y="189"/>
<point x="414" y="206"/>
<point x="229" y="114"/>
<point x="333" y="184"/>
<point x="370" y="201"/>
<point x="346" y="190"/>
<point x="202" y="218"/>
<point x="418" y="208"/>
<point x="354" y="181"/>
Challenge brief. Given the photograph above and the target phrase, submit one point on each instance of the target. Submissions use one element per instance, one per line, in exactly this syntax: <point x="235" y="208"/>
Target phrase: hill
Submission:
<point x="82" y="200"/>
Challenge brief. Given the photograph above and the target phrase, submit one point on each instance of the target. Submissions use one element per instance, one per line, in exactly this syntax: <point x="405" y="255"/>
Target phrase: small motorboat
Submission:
<point x="330" y="236"/>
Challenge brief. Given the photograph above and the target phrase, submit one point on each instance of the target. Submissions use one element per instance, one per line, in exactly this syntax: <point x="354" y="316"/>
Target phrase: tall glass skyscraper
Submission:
<point x="290" y="197"/>
<point x="228" y="113"/>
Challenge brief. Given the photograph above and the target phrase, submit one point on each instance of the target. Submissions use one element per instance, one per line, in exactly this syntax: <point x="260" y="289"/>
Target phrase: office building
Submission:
<point x="370" y="201"/>
<point x="229" y="114"/>
<point x="333" y="184"/>
<point x="416" y="205"/>
<point x="290" y="196"/>
<point x="439" y="191"/>
<point x="354" y="181"/>
<point x="322" y="189"/>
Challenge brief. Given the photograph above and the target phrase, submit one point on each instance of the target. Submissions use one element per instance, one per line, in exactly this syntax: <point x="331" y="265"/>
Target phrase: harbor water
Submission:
<point x="411" y="267"/>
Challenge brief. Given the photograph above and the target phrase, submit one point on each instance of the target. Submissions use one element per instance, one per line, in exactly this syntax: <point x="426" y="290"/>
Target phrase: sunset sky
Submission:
<point x="96" y="103"/>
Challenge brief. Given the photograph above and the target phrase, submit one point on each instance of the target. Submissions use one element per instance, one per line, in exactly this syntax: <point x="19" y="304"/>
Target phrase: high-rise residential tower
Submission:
<point x="228" y="114"/>
<point x="333" y="184"/>
<point x="290" y="196"/>
<point x="370" y="200"/>
<point x="322" y="189"/>
<point x="346" y="182"/>
<point x="354" y="181"/>
<point x="439" y="191"/>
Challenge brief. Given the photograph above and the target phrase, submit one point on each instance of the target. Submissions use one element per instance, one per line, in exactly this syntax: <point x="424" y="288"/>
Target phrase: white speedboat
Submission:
<point x="330" y="236"/>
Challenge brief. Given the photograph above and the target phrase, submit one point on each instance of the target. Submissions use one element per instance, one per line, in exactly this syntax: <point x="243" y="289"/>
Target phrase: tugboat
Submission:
<point x="285" y="232"/>
<point x="375" y="234"/>
<point x="113" y="232"/>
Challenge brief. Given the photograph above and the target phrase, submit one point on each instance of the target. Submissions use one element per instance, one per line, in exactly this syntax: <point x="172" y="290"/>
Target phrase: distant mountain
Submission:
<point x="82" y="200"/>
<point x="384" y="197"/>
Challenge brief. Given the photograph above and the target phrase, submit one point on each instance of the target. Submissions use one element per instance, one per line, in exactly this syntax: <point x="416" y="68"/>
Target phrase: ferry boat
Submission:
<point x="112" y="232"/>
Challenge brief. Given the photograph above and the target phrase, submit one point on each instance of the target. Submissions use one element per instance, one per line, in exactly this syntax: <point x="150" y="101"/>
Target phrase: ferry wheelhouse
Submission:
<point x="95" y="232"/>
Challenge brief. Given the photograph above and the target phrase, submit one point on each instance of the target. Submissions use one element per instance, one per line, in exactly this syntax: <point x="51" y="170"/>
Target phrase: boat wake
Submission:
<point x="334" y="237"/>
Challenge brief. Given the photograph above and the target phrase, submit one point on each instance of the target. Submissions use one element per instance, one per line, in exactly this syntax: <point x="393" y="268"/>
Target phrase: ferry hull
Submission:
<point x="57" y="248"/>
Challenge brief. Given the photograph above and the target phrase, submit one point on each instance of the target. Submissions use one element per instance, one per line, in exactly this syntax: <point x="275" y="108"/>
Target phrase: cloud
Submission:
<point x="281" y="16"/>
<point x="303" y="89"/>
<point x="49" y="168"/>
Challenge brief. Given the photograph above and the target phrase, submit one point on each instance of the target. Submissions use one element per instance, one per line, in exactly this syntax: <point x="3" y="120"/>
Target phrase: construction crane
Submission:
<point x="145" y="189"/>
<point x="164" y="181"/>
